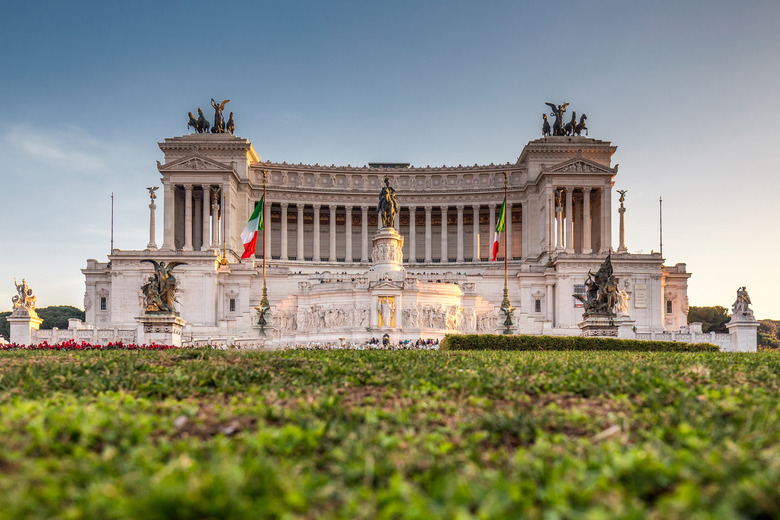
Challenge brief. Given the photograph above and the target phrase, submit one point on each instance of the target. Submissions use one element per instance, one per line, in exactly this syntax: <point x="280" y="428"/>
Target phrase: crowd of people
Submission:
<point x="372" y="344"/>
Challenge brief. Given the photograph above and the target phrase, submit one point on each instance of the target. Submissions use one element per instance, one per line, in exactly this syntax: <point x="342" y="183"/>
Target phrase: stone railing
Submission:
<point x="93" y="336"/>
<point x="722" y="340"/>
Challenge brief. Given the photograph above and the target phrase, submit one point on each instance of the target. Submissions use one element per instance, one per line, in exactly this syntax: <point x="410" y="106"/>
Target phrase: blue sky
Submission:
<point x="686" y="90"/>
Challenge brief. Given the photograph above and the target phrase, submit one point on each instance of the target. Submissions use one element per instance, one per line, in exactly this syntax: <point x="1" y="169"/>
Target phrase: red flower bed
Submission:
<point x="71" y="344"/>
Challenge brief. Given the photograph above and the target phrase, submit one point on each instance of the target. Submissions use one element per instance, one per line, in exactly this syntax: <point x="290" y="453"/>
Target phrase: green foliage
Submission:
<point x="349" y="434"/>
<point x="768" y="335"/>
<point x="558" y="343"/>
<point x="713" y="319"/>
<point x="58" y="315"/>
<point x="52" y="316"/>
<point x="5" y="327"/>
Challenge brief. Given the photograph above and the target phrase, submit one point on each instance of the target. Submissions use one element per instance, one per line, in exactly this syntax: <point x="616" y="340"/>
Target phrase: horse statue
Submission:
<point x="387" y="206"/>
<point x="203" y="123"/>
<point x="568" y="128"/>
<point x="557" y="113"/>
<point x="545" y="126"/>
<point x="581" y="126"/>
<point x="192" y="122"/>
<point x="230" y="127"/>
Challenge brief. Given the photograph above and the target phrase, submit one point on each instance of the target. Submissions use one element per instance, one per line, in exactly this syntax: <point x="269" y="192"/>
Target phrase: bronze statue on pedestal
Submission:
<point x="387" y="206"/>
<point x="160" y="291"/>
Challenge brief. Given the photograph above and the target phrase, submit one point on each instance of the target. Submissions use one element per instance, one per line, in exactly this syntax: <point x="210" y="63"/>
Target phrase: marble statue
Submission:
<point x="741" y="307"/>
<point x="24" y="299"/>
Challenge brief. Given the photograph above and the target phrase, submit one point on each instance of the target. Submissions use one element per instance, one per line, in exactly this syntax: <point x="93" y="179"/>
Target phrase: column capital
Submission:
<point x="317" y="207"/>
<point x="587" y="189"/>
<point x="460" y="207"/>
<point x="428" y="208"/>
<point x="363" y="208"/>
<point x="475" y="207"/>
<point x="332" y="207"/>
<point x="205" y="186"/>
<point x="492" y="206"/>
<point x="188" y="187"/>
<point x="444" y="208"/>
<point x="348" y="209"/>
<point x="284" y="204"/>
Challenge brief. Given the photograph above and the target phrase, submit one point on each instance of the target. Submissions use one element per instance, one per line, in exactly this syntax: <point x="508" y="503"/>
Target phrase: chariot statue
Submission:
<point x="387" y="206"/>
<point x="160" y="290"/>
<point x="219" y="121"/>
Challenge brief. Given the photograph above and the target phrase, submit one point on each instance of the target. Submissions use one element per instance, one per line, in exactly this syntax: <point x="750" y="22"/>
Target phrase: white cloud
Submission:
<point x="70" y="148"/>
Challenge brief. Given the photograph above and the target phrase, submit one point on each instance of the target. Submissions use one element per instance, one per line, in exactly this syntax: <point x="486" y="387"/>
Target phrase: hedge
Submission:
<point x="542" y="343"/>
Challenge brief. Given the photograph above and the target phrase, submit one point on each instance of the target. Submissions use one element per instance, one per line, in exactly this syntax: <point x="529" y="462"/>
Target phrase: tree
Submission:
<point x="767" y="335"/>
<point x="52" y="316"/>
<point x="713" y="319"/>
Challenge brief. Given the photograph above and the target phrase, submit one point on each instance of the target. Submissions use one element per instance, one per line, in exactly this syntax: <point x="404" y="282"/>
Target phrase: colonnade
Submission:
<point x="342" y="233"/>
<point x="581" y="220"/>
<point x="192" y="217"/>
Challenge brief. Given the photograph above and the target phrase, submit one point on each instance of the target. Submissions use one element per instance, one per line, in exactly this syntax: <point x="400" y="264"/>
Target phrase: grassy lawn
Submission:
<point x="210" y="434"/>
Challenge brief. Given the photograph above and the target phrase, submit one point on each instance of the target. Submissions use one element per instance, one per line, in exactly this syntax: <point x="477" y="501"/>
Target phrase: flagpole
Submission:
<point x="264" y="308"/>
<point x="111" y="251"/>
<point x="506" y="305"/>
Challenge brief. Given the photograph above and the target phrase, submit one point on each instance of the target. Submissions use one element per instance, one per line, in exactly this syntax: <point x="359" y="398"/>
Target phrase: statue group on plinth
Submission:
<point x="201" y="124"/>
<point x="160" y="290"/>
<point x="741" y="307"/>
<point x="602" y="292"/>
<point x="24" y="300"/>
<point x="387" y="206"/>
<point x="559" y="127"/>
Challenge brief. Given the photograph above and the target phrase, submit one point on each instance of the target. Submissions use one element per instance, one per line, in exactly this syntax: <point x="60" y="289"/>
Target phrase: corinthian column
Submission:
<point x="569" y="221"/>
<point x="428" y="234"/>
<point x="475" y="234"/>
<point x="316" y="256"/>
<point x="215" y="218"/>
<point x="168" y="216"/>
<point x="151" y="244"/>
<point x="364" y="234"/>
<point x="348" y="237"/>
<point x="444" y="252"/>
<point x="459" y="257"/>
<point x="187" y="217"/>
<point x="332" y="225"/>
<point x="300" y="232"/>
<point x="284" y="231"/>
<point x="586" y="223"/>
<point x="412" y="234"/>
<point x="205" y="223"/>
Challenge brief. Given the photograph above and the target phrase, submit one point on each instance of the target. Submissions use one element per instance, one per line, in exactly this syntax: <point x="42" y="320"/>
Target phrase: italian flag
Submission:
<point x="499" y="228"/>
<point x="249" y="234"/>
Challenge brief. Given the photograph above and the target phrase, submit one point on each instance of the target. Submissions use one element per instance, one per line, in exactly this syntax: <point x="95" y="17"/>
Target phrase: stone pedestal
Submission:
<point x="162" y="329"/>
<point x="599" y="327"/>
<point x="744" y="334"/>
<point x="23" y="324"/>
<point x="387" y="255"/>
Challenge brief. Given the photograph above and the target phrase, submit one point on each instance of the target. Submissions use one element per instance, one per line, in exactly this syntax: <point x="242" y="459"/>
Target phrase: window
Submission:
<point x="537" y="305"/>
<point x="103" y="303"/>
<point x="232" y="305"/>
<point x="668" y="306"/>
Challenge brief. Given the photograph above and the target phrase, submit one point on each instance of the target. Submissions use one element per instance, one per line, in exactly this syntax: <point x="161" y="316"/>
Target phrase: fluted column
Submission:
<point x="187" y="217"/>
<point x="226" y="217"/>
<point x="444" y="253"/>
<point x="205" y="224"/>
<point x="524" y="247"/>
<point x="316" y="251"/>
<point x="586" y="222"/>
<point x="491" y="230"/>
<point x="332" y="235"/>
<point x="412" y="234"/>
<point x="300" y="255"/>
<point x="569" y="221"/>
<point x="459" y="242"/>
<point x="577" y="225"/>
<point x="397" y="220"/>
<point x="364" y="233"/>
<point x="214" y="218"/>
<point x="283" y="255"/>
<point x="197" y="209"/>
<point x="508" y="224"/>
<point x="559" y="244"/>
<point x="606" y="219"/>
<point x="267" y="226"/>
<point x="428" y="234"/>
<point x="168" y="216"/>
<point x="550" y="219"/>
<point x="475" y="234"/>
<point x="152" y="207"/>
<point x="348" y="245"/>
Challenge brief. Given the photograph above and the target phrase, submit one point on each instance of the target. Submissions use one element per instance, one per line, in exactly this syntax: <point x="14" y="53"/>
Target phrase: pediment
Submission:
<point x="580" y="164"/>
<point x="195" y="162"/>
<point x="388" y="285"/>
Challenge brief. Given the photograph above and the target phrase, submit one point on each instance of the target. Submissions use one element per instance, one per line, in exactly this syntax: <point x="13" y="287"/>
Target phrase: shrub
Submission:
<point x="579" y="343"/>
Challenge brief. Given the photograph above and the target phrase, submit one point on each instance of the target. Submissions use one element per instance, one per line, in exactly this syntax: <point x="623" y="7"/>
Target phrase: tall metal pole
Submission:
<point x="506" y="305"/>
<point x="661" y="223"/>
<point x="112" y="223"/>
<point x="264" y="309"/>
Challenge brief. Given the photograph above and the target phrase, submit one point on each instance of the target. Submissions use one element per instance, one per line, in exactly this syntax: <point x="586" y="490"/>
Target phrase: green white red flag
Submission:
<point x="252" y="228"/>
<point x="499" y="228"/>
